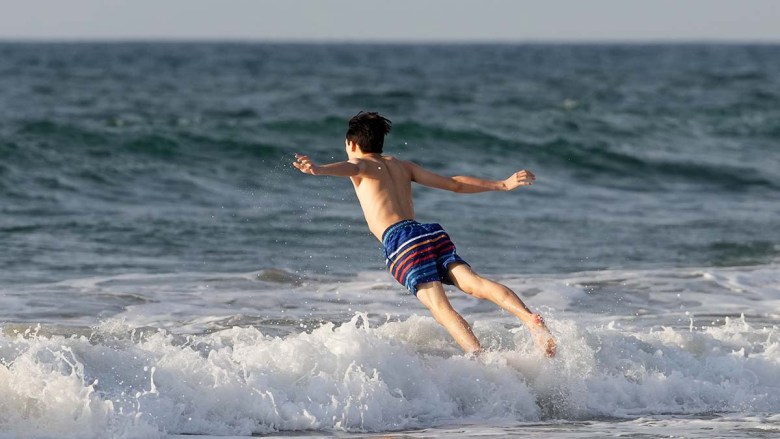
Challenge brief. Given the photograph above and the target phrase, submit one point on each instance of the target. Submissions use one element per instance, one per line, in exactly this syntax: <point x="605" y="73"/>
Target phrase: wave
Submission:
<point x="596" y="160"/>
<point x="140" y="382"/>
<point x="727" y="253"/>
<point x="61" y="134"/>
<point x="48" y="157"/>
<point x="602" y="163"/>
<point x="103" y="142"/>
<point x="115" y="154"/>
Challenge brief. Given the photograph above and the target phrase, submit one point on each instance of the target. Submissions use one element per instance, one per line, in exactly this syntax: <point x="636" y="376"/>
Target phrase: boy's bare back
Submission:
<point x="384" y="189"/>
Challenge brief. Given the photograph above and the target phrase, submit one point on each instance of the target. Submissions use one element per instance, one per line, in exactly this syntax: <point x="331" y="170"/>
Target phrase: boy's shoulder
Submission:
<point x="394" y="159"/>
<point x="384" y="158"/>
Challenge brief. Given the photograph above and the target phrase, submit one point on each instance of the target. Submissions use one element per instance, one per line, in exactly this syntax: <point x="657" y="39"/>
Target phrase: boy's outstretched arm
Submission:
<point x="469" y="185"/>
<point x="338" y="169"/>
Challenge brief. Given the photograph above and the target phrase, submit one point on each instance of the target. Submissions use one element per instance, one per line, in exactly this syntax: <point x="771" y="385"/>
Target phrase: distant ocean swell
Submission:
<point x="103" y="156"/>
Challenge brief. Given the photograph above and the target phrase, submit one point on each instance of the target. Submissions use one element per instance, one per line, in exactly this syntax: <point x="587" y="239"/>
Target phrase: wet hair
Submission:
<point x="368" y="130"/>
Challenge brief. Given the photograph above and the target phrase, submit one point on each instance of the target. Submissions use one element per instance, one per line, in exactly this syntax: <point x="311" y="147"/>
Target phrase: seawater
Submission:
<point x="165" y="271"/>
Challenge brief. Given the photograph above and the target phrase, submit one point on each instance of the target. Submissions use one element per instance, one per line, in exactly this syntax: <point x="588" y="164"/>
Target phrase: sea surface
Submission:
<point x="166" y="272"/>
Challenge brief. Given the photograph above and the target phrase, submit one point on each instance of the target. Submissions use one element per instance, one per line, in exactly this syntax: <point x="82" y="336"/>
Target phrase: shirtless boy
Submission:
<point x="422" y="256"/>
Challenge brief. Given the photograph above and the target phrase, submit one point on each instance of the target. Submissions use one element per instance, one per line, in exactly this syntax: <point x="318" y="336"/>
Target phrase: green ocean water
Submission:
<point x="166" y="157"/>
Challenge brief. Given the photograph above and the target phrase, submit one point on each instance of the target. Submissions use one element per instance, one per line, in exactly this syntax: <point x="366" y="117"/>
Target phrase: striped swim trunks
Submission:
<point x="416" y="253"/>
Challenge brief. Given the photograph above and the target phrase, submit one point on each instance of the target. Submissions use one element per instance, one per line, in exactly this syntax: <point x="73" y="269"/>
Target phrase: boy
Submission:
<point x="421" y="256"/>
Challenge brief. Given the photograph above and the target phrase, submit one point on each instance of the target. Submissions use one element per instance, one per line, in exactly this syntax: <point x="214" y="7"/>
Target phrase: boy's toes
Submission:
<point x="545" y="342"/>
<point x="550" y="348"/>
<point x="542" y="337"/>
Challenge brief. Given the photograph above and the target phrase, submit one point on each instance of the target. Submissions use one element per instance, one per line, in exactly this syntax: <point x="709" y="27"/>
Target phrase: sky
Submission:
<point x="393" y="20"/>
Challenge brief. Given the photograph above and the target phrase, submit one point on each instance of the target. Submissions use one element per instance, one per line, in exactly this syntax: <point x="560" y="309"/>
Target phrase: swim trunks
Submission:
<point x="416" y="253"/>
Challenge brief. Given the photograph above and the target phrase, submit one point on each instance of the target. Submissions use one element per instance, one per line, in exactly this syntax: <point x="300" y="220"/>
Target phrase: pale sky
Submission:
<point x="392" y="20"/>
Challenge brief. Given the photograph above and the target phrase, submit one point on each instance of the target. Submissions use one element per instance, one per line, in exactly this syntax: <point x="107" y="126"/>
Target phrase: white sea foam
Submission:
<point x="236" y="354"/>
<point x="126" y="382"/>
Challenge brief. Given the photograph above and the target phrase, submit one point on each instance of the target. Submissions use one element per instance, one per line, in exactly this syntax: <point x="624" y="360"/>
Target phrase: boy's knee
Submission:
<point x="444" y="314"/>
<point x="473" y="287"/>
<point x="440" y="307"/>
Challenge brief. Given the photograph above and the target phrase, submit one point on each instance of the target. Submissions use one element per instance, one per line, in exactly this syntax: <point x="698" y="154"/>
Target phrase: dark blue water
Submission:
<point x="160" y="158"/>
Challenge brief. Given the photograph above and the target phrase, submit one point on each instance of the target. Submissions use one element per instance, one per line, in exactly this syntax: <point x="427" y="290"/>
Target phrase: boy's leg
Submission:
<point x="431" y="294"/>
<point x="482" y="288"/>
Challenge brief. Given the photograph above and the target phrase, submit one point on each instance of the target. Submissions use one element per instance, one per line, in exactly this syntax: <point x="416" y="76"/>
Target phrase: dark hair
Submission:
<point x="368" y="130"/>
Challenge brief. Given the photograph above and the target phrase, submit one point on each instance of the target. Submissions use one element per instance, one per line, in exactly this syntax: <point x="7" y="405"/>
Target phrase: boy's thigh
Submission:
<point x="432" y="295"/>
<point x="463" y="277"/>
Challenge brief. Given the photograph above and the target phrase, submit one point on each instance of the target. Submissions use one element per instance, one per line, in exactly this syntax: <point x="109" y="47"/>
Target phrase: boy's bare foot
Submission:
<point x="542" y="336"/>
<point x="475" y="354"/>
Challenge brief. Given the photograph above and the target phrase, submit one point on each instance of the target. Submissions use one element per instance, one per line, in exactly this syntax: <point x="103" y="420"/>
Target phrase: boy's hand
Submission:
<point x="304" y="164"/>
<point x="519" y="178"/>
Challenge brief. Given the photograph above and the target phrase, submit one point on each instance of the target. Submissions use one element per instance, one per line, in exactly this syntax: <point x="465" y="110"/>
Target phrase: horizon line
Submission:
<point x="379" y="41"/>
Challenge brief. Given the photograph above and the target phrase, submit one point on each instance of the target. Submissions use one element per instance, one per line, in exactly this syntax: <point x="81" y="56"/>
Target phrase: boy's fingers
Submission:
<point x="527" y="174"/>
<point x="304" y="169"/>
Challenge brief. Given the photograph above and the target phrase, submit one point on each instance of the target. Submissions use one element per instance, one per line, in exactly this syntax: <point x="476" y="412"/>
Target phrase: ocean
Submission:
<point x="166" y="272"/>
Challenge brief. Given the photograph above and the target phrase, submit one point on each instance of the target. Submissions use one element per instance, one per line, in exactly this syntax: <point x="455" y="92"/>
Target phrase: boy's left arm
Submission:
<point x="474" y="184"/>
<point x="468" y="185"/>
<point x="349" y="168"/>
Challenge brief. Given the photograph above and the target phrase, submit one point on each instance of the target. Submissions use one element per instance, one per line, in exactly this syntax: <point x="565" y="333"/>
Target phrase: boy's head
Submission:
<point x="368" y="131"/>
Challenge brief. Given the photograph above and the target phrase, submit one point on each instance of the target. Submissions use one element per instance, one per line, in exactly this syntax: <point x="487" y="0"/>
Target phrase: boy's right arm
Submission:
<point x="348" y="168"/>
<point x="468" y="185"/>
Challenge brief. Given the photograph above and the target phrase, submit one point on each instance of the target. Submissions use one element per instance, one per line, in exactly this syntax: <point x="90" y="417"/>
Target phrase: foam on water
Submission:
<point x="122" y="381"/>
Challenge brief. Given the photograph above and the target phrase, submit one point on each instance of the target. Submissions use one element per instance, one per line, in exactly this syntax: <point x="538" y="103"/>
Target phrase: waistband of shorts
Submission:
<point x="397" y="226"/>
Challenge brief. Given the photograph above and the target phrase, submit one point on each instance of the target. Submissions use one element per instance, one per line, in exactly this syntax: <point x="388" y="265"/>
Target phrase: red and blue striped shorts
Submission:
<point x="416" y="253"/>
